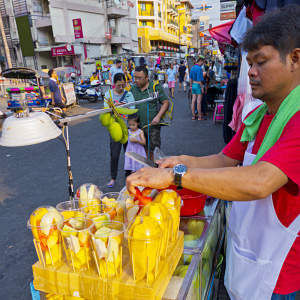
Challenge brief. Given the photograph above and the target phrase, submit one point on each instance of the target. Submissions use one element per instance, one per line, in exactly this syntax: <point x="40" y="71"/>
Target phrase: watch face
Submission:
<point x="180" y="169"/>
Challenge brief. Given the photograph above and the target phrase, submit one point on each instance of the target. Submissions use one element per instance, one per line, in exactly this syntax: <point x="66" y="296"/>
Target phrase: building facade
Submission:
<point x="164" y="25"/>
<point x="107" y="27"/>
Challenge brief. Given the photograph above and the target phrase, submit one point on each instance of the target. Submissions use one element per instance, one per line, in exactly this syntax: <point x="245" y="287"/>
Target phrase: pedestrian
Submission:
<point x="94" y="77"/>
<point x="136" y="143"/>
<point x="117" y="68"/>
<point x="205" y="85"/>
<point x="263" y="242"/>
<point x="196" y="84"/>
<point x="171" y="78"/>
<point x="119" y="97"/>
<point x="128" y="79"/>
<point x="143" y="89"/>
<point x="57" y="99"/>
<point x="186" y="82"/>
<point x="181" y="72"/>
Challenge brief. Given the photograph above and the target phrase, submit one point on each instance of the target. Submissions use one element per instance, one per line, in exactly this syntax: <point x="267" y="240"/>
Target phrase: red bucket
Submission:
<point x="193" y="202"/>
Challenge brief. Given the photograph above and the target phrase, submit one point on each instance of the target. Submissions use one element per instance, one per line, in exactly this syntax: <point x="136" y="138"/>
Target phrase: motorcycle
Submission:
<point x="90" y="92"/>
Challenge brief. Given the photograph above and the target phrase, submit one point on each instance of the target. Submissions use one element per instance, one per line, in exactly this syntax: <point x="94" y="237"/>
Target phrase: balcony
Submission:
<point x="146" y="13"/>
<point x="116" y="10"/>
<point x="177" y="3"/>
<point x="189" y="25"/>
<point x="171" y="9"/>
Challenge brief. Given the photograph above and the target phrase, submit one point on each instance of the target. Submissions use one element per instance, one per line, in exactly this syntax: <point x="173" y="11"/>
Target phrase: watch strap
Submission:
<point x="177" y="181"/>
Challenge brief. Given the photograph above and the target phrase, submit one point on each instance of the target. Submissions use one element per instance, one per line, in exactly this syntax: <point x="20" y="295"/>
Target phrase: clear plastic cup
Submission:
<point x="144" y="237"/>
<point x="162" y="216"/>
<point x="99" y="212"/>
<point x="132" y="211"/>
<point x="70" y="209"/>
<point x="173" y="203"/>
<point x="113" y="199"/>
<point x="107" y="240"/>
<point x="88" y="194"/>
<point x="46" y="236"/>
<point x="76" y="242"/>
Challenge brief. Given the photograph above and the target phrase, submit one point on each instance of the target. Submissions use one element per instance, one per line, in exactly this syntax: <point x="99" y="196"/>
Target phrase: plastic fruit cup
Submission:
<point x="160" y="213"/>
<point x="113" y="199"/>
<point x="47" y="242"/>
<point x="99" y="212"/>
<point x="175" y="213"/>
<point x="132" y="211"/>
<point x="69" y="209"/>
<point x="107" y="240"/>
<point x="144" y="237"/>
<point x="76" y="242"/>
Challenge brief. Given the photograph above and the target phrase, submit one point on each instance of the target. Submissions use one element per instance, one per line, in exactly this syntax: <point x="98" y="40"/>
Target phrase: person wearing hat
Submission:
<point x="196" y="84"/>
<point x="263" y="236"/>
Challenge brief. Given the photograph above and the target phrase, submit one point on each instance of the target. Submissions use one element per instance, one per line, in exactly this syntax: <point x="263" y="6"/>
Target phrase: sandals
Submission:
<point x="201" y="119"/>
<point x="111" y="184"/>
<point x="194" y="118"/>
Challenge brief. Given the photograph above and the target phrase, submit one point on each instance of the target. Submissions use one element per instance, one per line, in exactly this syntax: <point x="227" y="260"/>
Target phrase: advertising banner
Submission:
<point x="77" y="28"/>
<point x="69" y="93"/>
<point x="60" y="51"/>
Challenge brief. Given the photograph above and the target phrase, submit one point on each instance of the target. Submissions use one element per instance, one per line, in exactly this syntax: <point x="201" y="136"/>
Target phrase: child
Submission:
<point x="136" y="142"/>
<point x="155" y="79"/>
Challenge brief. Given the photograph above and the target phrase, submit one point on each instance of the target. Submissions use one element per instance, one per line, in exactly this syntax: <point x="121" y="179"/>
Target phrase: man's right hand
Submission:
<point x="170" y="162"/>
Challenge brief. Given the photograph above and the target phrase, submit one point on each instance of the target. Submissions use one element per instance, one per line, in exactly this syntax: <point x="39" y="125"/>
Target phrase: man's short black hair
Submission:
<point x="117" y="61"/>
<point x="142" y="69"/>
<point x="181" y="62"/>
<point x="94" y="72"/>
<point x="279" y="28"/>
<point x="50" y="72"/>
<point x="200" y="58"/>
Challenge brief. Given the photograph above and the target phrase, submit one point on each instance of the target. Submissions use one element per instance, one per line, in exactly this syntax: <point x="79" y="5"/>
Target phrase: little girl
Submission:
<point x="136" y="142"/>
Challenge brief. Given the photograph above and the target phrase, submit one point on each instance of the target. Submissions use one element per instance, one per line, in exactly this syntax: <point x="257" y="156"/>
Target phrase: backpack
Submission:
<point x="167" y="117"/>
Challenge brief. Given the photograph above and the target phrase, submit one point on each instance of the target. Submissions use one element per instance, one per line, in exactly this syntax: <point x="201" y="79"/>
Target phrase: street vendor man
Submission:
<point x="263" y="248"/>
<point x="149" y="120"/>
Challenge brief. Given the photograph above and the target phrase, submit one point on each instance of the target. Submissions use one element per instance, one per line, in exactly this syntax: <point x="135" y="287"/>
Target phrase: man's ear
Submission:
<point x="295" y="59"/>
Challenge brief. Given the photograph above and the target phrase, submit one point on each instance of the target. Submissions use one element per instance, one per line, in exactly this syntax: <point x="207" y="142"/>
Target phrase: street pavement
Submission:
<point x="36" y="175"/>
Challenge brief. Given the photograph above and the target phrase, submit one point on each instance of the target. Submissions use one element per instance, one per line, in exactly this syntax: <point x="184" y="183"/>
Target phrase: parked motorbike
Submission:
<point x="90" y="92"/>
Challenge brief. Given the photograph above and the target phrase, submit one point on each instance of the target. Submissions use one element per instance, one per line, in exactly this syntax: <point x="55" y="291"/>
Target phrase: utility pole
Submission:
<point x="179" y="39"/>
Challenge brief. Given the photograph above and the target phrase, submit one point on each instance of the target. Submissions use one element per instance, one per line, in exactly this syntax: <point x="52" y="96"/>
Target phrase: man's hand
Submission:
<point x="170" y="162"/>
<point x="150" y="177"/>
<point x="155" y="121"/>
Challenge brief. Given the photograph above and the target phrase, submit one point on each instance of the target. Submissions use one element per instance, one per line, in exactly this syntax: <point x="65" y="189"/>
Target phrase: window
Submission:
<point x="143" y="6"/>
<point x="144" y="23"/>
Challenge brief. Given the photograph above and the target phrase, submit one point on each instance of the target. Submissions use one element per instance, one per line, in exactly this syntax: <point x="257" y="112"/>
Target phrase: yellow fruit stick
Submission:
<point x="106" y="265"/>
<point x="38" y="252"/>
<point x="96" y="261"/>
<point x="121" y="262"/>
<point x="116" y="271"/>
<point x="86" y="257"/>
<point x="39" y="246"/>
<point x="72" y="260"/>
<point x="133" y="268"/>
<point x="147" y="268"/>
<point x="50" y="254"/>
<point x="59" y="252"/>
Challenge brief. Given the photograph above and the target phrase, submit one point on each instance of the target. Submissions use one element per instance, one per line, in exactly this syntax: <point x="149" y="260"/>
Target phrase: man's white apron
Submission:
<point x="257" y="246"/>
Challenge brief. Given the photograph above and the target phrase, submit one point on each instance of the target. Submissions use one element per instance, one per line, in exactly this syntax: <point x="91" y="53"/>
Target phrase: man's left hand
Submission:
<point x="150" y="177"/>
<point x="155" y="121"/>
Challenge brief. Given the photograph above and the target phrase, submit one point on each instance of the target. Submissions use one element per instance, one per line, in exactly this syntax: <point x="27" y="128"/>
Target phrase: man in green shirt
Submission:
<point x="142" y="90"/>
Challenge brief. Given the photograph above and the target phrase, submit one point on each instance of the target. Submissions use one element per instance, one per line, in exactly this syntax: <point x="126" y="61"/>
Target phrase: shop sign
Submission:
<point x="227" y="6"/>
<point x="61" y="51"/>
<point x="98" y="65"/>
<point x="130" y="4"/>
<point x="215" y="52"/>
<point x="162" y="54"/>
<point x="207" y="38"/>
<point x="77" y="28"/>
<point x="205" y="44"/>
<point x="229" y="15"/>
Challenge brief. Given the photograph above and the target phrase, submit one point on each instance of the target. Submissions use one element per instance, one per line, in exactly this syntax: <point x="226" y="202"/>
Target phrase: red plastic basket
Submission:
<point x="193" y="202"/>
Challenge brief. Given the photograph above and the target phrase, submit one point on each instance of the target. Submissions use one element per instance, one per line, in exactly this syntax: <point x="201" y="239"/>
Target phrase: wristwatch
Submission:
<point x="179" y="171"/>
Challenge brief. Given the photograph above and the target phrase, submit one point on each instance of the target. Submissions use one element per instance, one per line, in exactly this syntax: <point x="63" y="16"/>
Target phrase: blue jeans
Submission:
<point x="291" y="296"/>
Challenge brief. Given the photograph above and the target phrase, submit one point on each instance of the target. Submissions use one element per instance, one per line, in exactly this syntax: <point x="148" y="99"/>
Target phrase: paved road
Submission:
<point x="36" y="175"/>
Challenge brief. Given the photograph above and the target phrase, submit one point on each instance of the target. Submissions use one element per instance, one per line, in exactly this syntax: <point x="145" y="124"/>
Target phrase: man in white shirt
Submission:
<point x="117" y="68"/>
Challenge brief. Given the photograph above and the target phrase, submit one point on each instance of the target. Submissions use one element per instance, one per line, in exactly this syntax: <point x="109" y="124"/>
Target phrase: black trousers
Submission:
<point x="115" y="150"/>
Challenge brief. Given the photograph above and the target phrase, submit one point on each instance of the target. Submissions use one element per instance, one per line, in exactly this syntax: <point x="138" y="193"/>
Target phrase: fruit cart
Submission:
<point x="190" y="275"/>
<point x="34" y="95"/>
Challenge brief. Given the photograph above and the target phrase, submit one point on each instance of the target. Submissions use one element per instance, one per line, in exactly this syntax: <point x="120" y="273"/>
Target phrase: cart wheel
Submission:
<point x="222" y="292"/>
<point x="93" y="99"/>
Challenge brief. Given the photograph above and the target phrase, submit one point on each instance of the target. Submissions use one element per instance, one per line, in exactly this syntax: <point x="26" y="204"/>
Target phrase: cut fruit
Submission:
<point x="77" y="224"/>
<point x="73" y="242"/>
<point x="52" y="241"/>
<point x="67" y="231"/>
<point x="112" y="250"/>
<point x="100" y="248"/>
<point x="46" y="222"/>
<point x="132" y="212"/>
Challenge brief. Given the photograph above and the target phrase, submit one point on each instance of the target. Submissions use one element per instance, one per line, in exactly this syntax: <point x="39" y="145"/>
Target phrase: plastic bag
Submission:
<point x="158" y="154"/>
<point x="165" y="85"/>
<point x="244" y="102"/>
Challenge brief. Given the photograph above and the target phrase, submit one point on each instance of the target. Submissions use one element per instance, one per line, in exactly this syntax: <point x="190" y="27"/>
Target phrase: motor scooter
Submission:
<point x="90" y="92"/>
